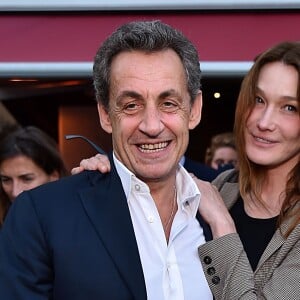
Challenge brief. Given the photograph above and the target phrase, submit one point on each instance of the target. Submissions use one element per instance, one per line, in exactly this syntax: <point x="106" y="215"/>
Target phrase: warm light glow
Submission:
<point x="22" y="80"/>
<point x="217" y="95"/>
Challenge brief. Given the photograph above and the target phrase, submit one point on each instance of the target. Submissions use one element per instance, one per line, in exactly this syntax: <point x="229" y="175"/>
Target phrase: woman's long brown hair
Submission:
<point x="252" y="175"/>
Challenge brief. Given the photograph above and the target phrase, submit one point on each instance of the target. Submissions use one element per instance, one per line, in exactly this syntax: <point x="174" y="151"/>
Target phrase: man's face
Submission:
<point x="150" y="112"/>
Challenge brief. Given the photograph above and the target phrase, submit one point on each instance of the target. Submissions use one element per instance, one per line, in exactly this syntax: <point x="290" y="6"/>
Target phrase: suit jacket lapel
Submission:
<point x="206" y="228"/>
<point x="275" y="243"/>
<point x="230" y="193"/>
<point x="107" y="208"/>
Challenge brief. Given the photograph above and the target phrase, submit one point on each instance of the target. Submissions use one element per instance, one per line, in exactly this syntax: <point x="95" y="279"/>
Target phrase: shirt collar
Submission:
<point x="187" y="190"/>
<point x="124" y="174"/>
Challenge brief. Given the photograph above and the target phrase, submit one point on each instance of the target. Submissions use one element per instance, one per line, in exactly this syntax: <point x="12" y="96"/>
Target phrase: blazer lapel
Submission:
<point x="230" y="193"/>
<point x="107" y="208"/>
<point x="275" y="243"/>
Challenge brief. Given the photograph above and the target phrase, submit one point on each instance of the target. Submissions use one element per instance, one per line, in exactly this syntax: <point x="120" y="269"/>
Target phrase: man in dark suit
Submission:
<point x="200" y="170"/>
<point x="203" y="171"/>
<point x="131" y="233"/>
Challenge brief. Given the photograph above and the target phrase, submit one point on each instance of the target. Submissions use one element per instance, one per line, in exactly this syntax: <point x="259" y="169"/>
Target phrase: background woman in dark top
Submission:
<point x="28" y="158"/>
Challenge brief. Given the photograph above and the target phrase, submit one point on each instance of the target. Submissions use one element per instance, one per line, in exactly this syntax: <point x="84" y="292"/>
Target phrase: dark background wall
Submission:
<point x="73" y="111"/>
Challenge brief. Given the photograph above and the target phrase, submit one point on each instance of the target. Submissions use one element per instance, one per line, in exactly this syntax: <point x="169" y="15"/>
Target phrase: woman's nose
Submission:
<point x="17" y="189"/>
<point x="266" y="120"/>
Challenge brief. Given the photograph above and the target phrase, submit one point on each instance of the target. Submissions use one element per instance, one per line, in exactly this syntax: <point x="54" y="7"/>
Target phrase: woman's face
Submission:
<point x="20" y="173"/>
<point x="272" y="132"/>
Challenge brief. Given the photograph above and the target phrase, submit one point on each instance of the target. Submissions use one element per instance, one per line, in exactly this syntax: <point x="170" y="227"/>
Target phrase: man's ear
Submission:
<point x="104" y="118"/>
<point x="196" y="110"/>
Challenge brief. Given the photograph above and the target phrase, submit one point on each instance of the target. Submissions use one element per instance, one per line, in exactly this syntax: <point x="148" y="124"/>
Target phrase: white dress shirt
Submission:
<point x="172" y="270"/>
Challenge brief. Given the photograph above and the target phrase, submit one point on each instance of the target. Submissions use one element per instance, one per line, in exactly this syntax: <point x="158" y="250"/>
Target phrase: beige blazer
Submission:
<point x="228" y="270"/>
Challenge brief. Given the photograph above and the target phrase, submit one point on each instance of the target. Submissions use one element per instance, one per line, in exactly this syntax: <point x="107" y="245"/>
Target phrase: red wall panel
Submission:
<point x="219" y="36"/>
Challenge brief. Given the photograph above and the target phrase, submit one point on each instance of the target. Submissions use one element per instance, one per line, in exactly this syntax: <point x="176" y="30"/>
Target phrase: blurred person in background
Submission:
<point x="28" y="158"/>
<point x="221" y="153"/>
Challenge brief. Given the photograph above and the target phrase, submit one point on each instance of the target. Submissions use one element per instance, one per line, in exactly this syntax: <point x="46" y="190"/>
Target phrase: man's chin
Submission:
<point x="152" y="174"/>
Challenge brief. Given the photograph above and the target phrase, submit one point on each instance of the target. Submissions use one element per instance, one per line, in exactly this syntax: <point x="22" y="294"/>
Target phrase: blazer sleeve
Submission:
<point x="24" y="258"/>
<point x="230" y="275"/>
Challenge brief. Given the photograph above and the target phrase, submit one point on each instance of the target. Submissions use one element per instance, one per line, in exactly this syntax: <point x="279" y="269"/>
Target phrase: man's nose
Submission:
<point x="151" y="123"/>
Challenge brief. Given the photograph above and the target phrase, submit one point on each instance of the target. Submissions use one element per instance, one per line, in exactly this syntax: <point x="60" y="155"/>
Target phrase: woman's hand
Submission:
<point x="98" y="162"/>
<point x="213" y="209"/>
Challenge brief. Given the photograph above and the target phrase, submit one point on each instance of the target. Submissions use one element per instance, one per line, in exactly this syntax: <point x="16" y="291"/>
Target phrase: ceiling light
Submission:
<point x="217" y="95"/>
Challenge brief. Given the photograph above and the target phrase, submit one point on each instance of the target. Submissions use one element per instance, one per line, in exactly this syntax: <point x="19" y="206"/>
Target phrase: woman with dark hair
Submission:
<point x="28" y="158"/>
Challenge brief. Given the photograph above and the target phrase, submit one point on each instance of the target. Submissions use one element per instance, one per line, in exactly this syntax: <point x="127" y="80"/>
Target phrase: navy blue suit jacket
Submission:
<point x="200" y="170"/>
<point x="71" y="239"/>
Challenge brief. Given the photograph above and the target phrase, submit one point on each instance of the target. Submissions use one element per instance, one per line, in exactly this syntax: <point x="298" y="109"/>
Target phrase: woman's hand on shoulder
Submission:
<point x="213" y="209"/>
<point x="98" y="162"/>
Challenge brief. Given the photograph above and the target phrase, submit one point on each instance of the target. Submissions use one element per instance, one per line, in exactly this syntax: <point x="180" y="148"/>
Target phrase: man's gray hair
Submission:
<point x="148" y="36"/>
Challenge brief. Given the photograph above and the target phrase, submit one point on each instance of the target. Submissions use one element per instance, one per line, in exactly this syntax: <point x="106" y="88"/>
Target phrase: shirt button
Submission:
<point x="137" y="187"/>
<point x="207" y="260"/>
<point x="150" y="219"/>
<point x="215" y="280"/>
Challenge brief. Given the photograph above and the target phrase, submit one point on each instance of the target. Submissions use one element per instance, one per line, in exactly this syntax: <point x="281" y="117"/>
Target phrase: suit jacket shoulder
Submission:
<point x="227" y="184"/>
<point x="200" y="170"/>
<point x="71" y="239"/>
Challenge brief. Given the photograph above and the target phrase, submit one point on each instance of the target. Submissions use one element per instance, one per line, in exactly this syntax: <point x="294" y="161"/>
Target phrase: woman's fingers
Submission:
<point x="98" y="162"/>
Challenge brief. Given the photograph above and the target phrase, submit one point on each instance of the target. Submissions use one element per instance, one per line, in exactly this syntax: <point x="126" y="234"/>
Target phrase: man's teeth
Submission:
<point x="153" y="147"/>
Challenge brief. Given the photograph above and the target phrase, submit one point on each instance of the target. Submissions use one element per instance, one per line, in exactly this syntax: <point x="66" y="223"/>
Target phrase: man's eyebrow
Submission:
<point x="128" y="94"/>
<point x="168" y="93"/>
<point x="135" y="95"/>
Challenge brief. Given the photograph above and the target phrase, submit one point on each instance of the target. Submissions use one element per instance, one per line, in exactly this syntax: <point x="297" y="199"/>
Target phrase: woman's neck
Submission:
<point x="272" y="195"/>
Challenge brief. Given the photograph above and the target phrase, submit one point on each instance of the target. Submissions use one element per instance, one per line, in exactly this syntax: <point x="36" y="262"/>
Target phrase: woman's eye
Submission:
<point x="28" y="179"/>
<point x="4" y="179"/>
<point x="258" y="100"/>
<point x="290" y="108"/>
